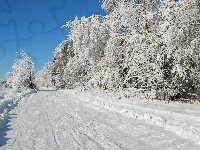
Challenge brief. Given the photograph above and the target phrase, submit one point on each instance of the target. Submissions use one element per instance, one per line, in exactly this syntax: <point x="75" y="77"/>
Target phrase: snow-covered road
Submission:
<point x="68" y="119"/>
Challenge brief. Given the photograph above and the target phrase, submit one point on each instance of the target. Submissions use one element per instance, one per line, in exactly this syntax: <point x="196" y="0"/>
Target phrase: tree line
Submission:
<point x="150" y="46"/>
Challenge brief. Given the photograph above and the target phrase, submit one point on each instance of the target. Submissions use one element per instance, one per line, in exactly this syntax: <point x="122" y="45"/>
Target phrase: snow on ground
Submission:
<point x="7" y="97"/>
<point x="73" y="119"/>
<point x="8" y="100"/>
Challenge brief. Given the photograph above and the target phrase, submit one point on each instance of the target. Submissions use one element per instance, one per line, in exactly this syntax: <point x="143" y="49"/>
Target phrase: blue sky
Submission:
<point x="35" y="27"/>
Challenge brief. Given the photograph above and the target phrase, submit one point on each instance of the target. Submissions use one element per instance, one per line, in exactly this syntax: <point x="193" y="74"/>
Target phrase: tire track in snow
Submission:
<point x="81" y="133"/>
<point x="57" y="120"/>
<point x="84" y="126"/>
<point x="109" y="125"/>
<point x="48" y="124"/>
<point x="69" y="115"/>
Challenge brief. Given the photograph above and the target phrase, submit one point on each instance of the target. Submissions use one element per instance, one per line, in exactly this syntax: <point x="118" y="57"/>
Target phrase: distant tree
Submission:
<point x="22" y="74"/>
<point x="44" y="78"/>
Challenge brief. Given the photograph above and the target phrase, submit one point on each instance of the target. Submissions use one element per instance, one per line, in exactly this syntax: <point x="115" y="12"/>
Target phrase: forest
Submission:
<point x="143" y="47"/>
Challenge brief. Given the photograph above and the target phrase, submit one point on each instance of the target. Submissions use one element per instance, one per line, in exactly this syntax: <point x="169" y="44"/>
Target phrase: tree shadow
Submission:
<point x="5" y="128"/>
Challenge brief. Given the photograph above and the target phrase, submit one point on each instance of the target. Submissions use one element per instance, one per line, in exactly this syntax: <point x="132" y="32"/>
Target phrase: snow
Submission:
<point x="73" y="119"/>
<point x="8" y="100"/>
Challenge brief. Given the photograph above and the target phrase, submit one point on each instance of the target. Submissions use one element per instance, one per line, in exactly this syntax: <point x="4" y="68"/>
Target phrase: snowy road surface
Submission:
<point x="68" y="120"/>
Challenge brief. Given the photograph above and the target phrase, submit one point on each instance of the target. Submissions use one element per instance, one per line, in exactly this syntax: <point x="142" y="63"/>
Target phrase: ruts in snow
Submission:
<point x="70" y="119"/>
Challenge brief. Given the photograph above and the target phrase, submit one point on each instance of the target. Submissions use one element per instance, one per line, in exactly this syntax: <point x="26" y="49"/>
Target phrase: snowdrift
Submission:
<point x="9" y="98"/>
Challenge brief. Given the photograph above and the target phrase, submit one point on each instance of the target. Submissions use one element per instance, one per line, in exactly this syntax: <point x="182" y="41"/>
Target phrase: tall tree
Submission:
<point x="180" y="57"/>
<point x="63" y="53"/>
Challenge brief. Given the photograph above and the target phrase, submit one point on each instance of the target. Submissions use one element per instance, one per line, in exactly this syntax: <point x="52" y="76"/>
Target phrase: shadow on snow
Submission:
<point x="4" y="129"/>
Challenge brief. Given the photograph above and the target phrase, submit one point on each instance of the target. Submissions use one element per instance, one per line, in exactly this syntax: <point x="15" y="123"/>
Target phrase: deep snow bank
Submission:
<point x="9" y="99"/>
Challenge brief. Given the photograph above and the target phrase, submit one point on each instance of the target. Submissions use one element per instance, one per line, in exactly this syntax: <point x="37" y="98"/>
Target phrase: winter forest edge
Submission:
<point x="143" y="47"/>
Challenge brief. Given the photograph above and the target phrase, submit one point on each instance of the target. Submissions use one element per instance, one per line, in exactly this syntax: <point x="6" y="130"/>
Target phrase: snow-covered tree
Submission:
<point x="179" y="58"/>
<point x="150" y="45"/>
<point x="129" y="51"/>
<point x="89" y="37"/>
<point x="44" y="77"/>
<point x="63" y="53"/>
<point x="22" y="74"/>
<point x="2" y="83"/>
<point x="109" y="5"/>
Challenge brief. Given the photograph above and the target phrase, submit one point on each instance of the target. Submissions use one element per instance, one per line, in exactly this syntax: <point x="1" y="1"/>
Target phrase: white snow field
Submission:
<point x="73" y="119"/>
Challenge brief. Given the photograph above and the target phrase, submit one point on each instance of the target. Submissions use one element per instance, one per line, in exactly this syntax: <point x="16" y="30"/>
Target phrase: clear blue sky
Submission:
<point x="35" y="27"/>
